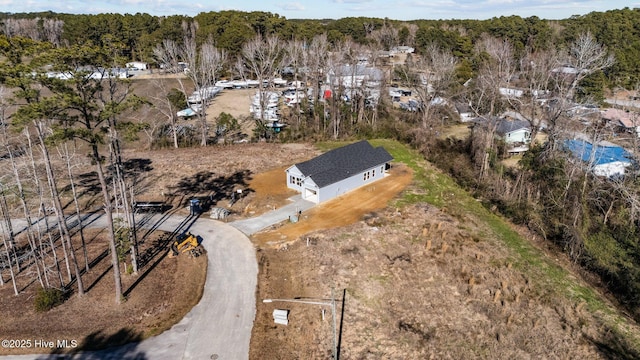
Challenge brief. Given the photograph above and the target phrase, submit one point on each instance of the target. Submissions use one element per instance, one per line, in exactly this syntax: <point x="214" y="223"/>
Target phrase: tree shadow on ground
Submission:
<point x="87" y="185"/>
<point x="122" y="344"/>
<point x="613" y="346"/>
<point x="136" y="171"/>
<point x="209" y="188"/>
<point x="149" y="259"/>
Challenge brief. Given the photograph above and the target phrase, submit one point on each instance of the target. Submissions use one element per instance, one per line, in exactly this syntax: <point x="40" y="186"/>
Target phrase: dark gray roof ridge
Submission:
<point x="343" y="162"/>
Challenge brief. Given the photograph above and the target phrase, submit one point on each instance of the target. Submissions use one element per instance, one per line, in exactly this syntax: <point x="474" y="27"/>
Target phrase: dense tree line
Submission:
<point x="139" y="33"/>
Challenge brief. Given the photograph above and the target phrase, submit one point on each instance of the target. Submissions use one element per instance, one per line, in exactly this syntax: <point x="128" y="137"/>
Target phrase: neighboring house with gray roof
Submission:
<point x="338" y="171"/>
<point x="465" y="111"/>
<point x="514" y="131"/>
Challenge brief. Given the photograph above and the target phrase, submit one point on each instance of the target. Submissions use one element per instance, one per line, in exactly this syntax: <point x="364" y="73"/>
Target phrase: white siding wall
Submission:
<point x="331" y="191"/>
<point x="522" y="135"/>
<point x="294" y="178"/>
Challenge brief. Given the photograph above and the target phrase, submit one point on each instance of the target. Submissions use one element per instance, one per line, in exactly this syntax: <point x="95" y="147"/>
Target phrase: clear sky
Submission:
<point x="333" y="9"/>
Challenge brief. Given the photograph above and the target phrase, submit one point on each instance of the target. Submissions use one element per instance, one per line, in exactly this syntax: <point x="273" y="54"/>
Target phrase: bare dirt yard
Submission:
<point x="416" y="283"/>
<point x="166" y="288"/>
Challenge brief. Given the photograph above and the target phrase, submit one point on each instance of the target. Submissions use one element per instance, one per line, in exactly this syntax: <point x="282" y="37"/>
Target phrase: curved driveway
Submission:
<point x="219" y="326"/>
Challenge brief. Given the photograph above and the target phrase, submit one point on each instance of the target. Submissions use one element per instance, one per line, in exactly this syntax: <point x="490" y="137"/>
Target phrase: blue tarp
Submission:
<point x="601" y="155"/>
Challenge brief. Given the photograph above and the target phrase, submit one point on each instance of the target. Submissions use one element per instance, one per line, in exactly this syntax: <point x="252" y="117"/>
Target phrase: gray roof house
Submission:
<point x="338" y="171"/>
<point x="515" y="133"/>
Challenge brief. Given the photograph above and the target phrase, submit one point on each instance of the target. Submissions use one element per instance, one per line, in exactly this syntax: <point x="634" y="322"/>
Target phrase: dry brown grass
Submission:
<point x="403" y="301"/>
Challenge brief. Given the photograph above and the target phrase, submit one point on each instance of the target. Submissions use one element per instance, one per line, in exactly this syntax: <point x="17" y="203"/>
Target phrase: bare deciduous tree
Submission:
<point x="432" y="75"/>
<point x="386" y="36"/>
<point x="317" y="60"/>
<point x="55" y="195"/>
<point x="204" y="64"/>
<point x="168" y="56"/>
<point x="584" y="57"/>
<point x="67" y="156"/>
<point x="262" y="57"/>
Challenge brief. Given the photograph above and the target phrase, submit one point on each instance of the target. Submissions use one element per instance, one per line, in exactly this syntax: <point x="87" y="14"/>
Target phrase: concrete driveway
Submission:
<point x="219" y="326"/>
<point x="253" y="225"/>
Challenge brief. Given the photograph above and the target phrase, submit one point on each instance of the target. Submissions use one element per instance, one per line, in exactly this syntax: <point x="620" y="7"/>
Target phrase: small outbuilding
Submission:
<point x="627" y="121"/>
<point x="338" y="171"/>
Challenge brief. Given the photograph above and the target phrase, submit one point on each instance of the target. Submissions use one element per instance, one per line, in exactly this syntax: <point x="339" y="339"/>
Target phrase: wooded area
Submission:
<point x="557" y="65"/>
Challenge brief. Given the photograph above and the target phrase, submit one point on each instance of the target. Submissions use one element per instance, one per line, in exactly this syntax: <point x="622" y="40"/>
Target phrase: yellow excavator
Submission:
<point x="186" y="243"/>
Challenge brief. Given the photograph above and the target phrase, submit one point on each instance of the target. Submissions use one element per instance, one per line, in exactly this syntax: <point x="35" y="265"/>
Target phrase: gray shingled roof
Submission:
<point x="507" y="126"/>
<point x="344" y="162"/>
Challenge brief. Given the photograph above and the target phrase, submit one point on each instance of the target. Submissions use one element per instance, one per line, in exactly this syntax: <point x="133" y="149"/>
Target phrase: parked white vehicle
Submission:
<point x="293" y="98"/>
<point x="239" y="84"/>
<point x="279" y="82"/>
<point x="225" y="84"/>
<point x="192" y="110"/>
<point x="205" y="94"/>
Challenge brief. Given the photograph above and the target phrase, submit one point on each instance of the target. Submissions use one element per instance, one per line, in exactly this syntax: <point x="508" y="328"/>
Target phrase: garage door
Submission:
<point x="311" y="195"/>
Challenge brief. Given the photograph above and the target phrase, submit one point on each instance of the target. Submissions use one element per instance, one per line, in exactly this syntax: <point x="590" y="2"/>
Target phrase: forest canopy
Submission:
<point x="137" y="34"/>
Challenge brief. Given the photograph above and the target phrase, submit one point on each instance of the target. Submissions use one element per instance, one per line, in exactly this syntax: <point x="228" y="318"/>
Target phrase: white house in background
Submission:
<point x="355" y="76"/>
<point x="338" y="171"/>
<point x="514" y="131"/>
<point x="137" y="65"/>
<point x="511" y="92"/>
<point x="401" y="50"/>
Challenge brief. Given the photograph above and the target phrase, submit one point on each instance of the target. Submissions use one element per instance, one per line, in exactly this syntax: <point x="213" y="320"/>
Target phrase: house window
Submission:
<point x="295" y="180"/>
<point x="373" y="173"/>
<point x="367" y="175"/>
